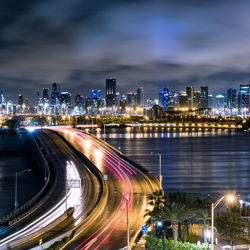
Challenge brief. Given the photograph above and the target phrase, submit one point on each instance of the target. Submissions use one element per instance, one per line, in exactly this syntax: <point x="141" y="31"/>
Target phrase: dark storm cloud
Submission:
<point x="154" y="44"/>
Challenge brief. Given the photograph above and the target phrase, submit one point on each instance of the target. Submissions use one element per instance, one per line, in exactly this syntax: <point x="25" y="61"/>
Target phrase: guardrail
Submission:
<point x="154" y="182"/>
<point x="97" y="209"/>
<point x="152" y="178"/>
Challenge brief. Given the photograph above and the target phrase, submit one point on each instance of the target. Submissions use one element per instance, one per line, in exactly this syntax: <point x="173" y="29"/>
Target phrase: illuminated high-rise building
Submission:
<point x="231" y="98"/>
<point x="45" y="95"/>
<point x="210" y="101"/>
<point x="55" y="94"/>
<point x="183" y="100"/>
<point x="65" y="98"/>
<point x="173" y="101"/>
<point x="244" y="97"/>
<point x="110" y="92"/>
<point x="20" y="99"/>
<point x="197" y="99"/>
<point x="1" y="97"/>
<point x="203" y="97"/>
<point x="190" y="96"/>
<point x="220" y="103"/>
<point x="123" y="103"/>
<point x="95" y="93"/>
<point x="164" y="98"/>
<point x="79" y="100"/>
<point x="131" y="99"/>
<point x="140" y="97"/>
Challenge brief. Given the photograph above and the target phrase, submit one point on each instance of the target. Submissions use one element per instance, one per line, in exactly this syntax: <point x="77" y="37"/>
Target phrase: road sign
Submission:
<point x="74" y="183"/>
<point x="144" y="229"/>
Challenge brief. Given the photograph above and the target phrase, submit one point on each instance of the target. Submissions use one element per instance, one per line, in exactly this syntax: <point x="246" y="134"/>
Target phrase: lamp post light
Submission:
<point x="229" y="198"/>
<point x="116" y="191"/>
<point x="18" y="173"/>
<point x="159" y="224"/>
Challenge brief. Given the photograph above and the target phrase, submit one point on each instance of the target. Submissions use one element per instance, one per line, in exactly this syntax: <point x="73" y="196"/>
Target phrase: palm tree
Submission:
<point x="188" y="203"/>
<point x="173" y="213"/>
<point x="156" y="201"/>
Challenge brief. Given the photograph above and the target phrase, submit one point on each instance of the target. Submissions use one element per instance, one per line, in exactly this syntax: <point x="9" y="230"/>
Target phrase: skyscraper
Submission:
<point x="210" y="101"/>
<point x="95" y="93"/>
<point x="190" y="96"/>
<point x="231" y="98"/>
<point x="164" y="98"/>
<point x="20" y="99"/>
<point x="244" y="97"/>
<point x="204" y="97"/>
<point x="131" y="99"/>
<point x="220" y="103"/>
<point x="197" y="97"/>
<point x="1" y="96"/>
<point x="110" y="92"/>
<point x="183" y="100"/>
<point x="79" y="100"/>
<point x="65" y="98"/>
<point x="123" y="103"/>
<point x="45" y="95"/>
<point x="140" y="97"/>
<point x="55" y="94"/>
<point x="173" y="100"/>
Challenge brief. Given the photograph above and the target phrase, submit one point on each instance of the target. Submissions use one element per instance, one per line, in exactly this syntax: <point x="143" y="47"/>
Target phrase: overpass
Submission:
<point x="99" y="216"/>
<point x="47" y="219"/>
<point x="107" y="228"/>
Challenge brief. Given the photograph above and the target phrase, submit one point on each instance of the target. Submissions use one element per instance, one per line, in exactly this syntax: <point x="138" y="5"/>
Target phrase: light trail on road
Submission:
<point x="72" y="197"/>
<point x="120" y="176"/>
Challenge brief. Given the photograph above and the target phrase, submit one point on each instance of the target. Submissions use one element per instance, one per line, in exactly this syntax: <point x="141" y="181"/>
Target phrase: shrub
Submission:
<point x="154" y="243"/>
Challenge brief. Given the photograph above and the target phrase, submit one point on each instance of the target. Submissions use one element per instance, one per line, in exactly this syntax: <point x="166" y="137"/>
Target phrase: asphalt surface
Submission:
<point x="107" y="227"/>
<point x="83" y="199"/>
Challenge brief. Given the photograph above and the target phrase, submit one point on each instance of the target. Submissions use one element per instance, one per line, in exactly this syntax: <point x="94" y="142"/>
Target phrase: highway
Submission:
<point x="68" y="165"/>
<point x="106" y="227"/>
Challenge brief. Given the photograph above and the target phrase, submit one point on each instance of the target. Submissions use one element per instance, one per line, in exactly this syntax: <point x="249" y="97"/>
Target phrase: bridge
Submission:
<point x="96" y="216"/>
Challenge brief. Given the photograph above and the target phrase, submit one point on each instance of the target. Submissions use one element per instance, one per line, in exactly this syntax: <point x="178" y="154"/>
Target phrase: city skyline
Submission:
<point x="155" y="44"/>
<point x="112" y="102"/>
<point x="33" y="98"/>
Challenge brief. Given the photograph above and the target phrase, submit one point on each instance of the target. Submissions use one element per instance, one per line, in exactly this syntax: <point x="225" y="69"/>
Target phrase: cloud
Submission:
<point x="155" y="44"/>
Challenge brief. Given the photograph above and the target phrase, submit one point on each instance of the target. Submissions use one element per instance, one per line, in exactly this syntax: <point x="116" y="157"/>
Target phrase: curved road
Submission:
<point x="107" y="229"/>
<point x="68" y="163"/>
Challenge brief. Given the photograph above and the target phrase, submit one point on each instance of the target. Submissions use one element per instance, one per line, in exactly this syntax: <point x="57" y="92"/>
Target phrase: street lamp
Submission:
<point x="230" y="198"/>
<point x="159" y="224"/>
<point x="116" y="191"/>
<point x="18" y="173"/>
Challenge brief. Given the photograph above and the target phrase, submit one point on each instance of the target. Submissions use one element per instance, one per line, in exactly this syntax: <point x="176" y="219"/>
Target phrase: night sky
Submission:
<point x="154" y="44"/>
